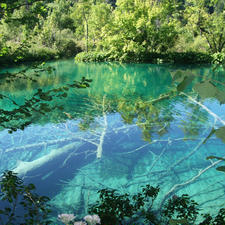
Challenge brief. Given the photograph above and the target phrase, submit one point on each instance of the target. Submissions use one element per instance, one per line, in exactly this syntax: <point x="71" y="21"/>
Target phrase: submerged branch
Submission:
<point x="99" y="149"/>
<point x="176" y="186"/>
<point x="24" y="167"/>
<point x="157" y="159"/>
<point x="40" y="144"/>
<point x="205" y="108"/>
<point x="189" y="155"/>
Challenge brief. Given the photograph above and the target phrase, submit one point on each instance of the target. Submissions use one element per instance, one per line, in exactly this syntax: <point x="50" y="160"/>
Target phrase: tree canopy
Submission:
<point x="125" y="30"/>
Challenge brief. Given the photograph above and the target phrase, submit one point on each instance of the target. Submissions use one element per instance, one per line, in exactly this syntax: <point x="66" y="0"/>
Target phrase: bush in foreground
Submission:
<point x="23" y="206"/>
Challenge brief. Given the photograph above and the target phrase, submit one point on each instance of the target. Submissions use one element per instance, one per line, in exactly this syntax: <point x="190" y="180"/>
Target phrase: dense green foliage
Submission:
<point x="22" y="204"/>
<point x="177" y="31"/>
<point x="112" y="207"/>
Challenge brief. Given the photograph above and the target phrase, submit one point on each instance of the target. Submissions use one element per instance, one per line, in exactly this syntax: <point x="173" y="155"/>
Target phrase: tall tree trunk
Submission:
<point x="27" y="5"/>
<point x="86" y="36"/>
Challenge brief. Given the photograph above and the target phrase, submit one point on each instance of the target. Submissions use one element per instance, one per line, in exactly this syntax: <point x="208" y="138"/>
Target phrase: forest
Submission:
<point x="183" y="31"/>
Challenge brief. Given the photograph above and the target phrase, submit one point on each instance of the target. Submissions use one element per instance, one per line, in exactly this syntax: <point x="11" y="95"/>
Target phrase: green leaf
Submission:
<point x="221" y="168"/>
<point x="4" y="5"/>
<point x="215" y="157"/>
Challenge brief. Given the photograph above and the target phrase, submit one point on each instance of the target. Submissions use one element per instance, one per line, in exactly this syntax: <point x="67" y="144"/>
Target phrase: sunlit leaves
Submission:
<point x="3" y="5"/>
<point x="138" y="27"/>
<point x="208" y="23"/>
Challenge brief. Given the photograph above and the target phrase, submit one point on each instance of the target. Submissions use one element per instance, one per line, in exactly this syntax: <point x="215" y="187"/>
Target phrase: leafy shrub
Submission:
<point x="20" y="197"/>
<point x="219" y="58"/>
<point x="41" y="54"/>
<point x="113" y="208"/>
<point x="23" y="206"/>
<point x="179" y="58"/>
<point x="149" y="57"/>
<point x="67" y="48"/>
<point x="181" y="208"/>
<point x="92" y="57"/>
<point x="189" y="57"/>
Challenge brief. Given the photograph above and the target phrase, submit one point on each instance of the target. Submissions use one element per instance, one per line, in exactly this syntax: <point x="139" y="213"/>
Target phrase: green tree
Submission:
<point x="209" y="23"/>
<point x="81" y="16"/>
<point x="100" y="16"/>
<point x="138" y="27"/>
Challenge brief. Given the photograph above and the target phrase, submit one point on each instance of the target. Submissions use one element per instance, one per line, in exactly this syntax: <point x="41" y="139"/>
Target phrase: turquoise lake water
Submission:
<point x="136" y="124"/>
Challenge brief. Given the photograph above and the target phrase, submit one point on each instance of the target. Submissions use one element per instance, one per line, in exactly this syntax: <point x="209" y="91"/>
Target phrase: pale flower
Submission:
<point x="66" y="218"/>
<point x="92" y="219"/>
<point x="80" y="223"/>
<point x="96" y="219"/>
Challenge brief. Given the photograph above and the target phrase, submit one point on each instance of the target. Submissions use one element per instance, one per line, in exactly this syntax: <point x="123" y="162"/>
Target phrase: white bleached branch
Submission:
<point x="40" y="144"/>
<point x="177" y="186"/>
<point x="205" y="108"/>
<point x="23" y="167"/>
<point x="99" y="149"/>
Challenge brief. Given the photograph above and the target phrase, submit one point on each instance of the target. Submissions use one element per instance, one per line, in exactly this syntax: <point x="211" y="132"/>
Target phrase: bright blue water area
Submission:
<point x="118" y="133"/>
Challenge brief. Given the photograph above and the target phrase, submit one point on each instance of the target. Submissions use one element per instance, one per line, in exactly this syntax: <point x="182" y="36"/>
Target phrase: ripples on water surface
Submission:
<point x="128" y="129"/>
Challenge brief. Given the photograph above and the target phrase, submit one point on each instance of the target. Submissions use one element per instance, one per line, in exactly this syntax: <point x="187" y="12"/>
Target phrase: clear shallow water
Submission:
<point x="120" y="133"/>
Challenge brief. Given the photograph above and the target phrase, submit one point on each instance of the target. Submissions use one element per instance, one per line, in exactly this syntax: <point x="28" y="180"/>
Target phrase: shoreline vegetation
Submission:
<point x="167" y="31"/>
<point x="151" y="57"/>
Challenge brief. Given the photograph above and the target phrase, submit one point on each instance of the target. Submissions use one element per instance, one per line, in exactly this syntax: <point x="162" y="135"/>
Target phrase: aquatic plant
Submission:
<point x="21" y="203"/>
